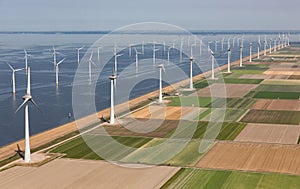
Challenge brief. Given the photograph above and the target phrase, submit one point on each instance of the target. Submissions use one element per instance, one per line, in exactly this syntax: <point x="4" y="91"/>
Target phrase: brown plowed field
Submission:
<point x="266" y="104"/>
<point x="232" y="90"/>
<point x="269" y="133"/>
<point x="253" y="157"/>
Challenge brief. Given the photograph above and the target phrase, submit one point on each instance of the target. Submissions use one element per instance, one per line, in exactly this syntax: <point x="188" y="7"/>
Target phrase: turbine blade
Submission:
<point x="60" y="62"/>
<point x="10" y="67"/>
<point x="25" y="101"/>
<point x="35" y="104"/>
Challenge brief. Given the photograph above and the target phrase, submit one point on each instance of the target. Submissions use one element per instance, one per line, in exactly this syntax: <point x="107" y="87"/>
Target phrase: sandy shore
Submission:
<point x="57" y="132"/>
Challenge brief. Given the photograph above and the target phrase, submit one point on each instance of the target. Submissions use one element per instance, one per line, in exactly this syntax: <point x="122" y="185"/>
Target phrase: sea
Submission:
<point x="56" y="101"/>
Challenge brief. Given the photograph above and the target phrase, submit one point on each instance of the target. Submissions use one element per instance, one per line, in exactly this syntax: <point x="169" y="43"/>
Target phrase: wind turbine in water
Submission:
<point x="154" y="54"/>
<point x="27" y="98"/>
<point x="54" y="57"/>
<point x="26" y="59"/>
<point x="161" y="69"/>
<point x="137" y="60"/>
<point x="78" y="54"/>
<point x="90" y="62"/>
<point x="57" y="70"/>
<point x="116" y="59"/>
<point x="13" y="77"/>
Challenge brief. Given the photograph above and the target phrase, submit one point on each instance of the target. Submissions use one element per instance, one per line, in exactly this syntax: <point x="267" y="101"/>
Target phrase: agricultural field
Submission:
<point x="269" y="133"/>
<point x="269" y="104"/>
<point x="253" y="157"/>
<point x="272" y="117"/>
<point x="191" y="178"/>
<point x="71" y="173"/>
<point x="279" y="88"/>
<point x="226" y="90"/>
<point x="277" y="95"/>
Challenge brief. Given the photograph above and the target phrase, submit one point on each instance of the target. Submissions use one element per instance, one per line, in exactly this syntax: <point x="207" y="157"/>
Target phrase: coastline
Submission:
<point x="62" y="130"/>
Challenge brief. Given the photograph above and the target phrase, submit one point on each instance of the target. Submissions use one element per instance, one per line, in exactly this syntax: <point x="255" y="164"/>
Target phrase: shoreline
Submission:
<point x="47" y="136"/>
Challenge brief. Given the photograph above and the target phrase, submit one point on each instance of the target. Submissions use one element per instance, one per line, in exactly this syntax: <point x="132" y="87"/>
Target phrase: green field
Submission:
<point x="228" y="130"/>
<point x="277" y="95"/>
<point x="272" y="116"/>
<point x="279" y="88"/>
<point x="190" y="101"/>
<point x="214" y="179"/>
<point x="231" y="115"/>
<point x="250" y="69"/>
<point x="78" y="148"/>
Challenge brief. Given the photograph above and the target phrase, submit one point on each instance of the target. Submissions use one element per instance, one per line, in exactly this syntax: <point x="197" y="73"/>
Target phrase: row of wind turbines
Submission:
<point x="28" y="97"/>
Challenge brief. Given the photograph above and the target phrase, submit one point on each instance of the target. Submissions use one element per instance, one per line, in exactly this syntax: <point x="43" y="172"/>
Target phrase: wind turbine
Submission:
<point x="13" y="78"/>
<point x="112" y="94"/>
<point x="143" y="47"/>
<point x="56" y="71"/>
<point x="154" y="54"/>
<point x="181" y="49"/>
<point x="212" y="64"/>
<point x="116" y="59"/>
<point x="90" y="61"/>
<point x="78" y="54"/>
<point x="27" y="98"/>
<point x="222" y="44"/>
<point x="54" y="57"/>
<point x="270" y="46"/>
<point x="250" y="52"/>
<point x="241" y="56"/>
<point x="228" y="62"/>
<point x="161" y="68"/>
<point x="129" y="50"/>
<point x="169" y="55"/>
<point x="26" y="59"/>
<point x="216" y="46"/>
<point x="137" y="60"/>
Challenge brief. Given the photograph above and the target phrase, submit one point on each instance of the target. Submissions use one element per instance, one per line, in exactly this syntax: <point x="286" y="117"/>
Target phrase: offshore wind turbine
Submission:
<point x="143" y="47"/>
<point x="78" y="54"/>
<point x="154" y="53"/>
<point x="222" y="42"/>
<point x="26" y="59"/>
<point x="90" y="62"/>
<point x="181" y="49"/>
<point x="169" y="55"/>
<point x="116" y="59"/>
<point x="112" y="94"/>
<point x="13" y="77"/>
<point x="137" y="60"/>
<point x="161" y="69"/>
<point x="54" y="57"/>
<point x="129" y="49"/>
<point x="27" y="98"/>
<point x="56" y="71"/>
